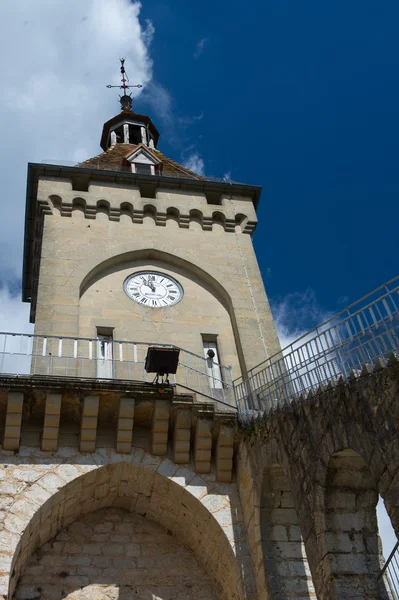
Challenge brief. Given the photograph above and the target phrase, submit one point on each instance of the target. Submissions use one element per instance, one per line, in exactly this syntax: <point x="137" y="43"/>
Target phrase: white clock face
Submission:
<point x="153" y="289"/>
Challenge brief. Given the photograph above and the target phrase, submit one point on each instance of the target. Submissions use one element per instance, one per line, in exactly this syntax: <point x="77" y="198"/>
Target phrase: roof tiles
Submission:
<point x="115" y="159"/>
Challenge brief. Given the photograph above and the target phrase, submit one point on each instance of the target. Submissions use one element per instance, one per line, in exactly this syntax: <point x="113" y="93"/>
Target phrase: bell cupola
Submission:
<point x="128" y="127"/>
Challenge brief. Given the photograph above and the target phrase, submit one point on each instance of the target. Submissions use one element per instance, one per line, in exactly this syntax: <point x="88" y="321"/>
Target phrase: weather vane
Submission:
<point x="126" y="99"/>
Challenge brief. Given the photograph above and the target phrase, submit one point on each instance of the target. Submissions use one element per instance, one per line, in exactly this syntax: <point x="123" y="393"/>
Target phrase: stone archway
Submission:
<point x="353" y="549"/>
<point x="208" y="277"/>
<point x="202" y="513"/>
<point x="114" y="554"/>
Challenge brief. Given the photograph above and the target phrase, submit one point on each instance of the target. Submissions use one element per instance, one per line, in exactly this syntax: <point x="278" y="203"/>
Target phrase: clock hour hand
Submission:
<point x="148" y="283"/>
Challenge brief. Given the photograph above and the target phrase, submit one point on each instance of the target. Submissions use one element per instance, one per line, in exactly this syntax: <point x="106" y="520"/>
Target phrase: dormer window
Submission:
<point x="143" y="162"/>
<point x="143" y="169"/>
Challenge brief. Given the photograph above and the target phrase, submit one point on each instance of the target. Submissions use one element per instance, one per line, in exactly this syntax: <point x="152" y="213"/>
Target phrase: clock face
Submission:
<point x="153" y="289"/>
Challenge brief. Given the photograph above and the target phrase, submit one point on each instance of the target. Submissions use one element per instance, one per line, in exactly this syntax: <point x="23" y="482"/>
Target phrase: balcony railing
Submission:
<point x="28" y="354"/>
<point x="357" y="336"/>
<point x="390" y="573"/>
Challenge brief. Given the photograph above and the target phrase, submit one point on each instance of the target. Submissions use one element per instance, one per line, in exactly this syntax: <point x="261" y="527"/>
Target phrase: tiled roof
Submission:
<point x="114" y="159"/>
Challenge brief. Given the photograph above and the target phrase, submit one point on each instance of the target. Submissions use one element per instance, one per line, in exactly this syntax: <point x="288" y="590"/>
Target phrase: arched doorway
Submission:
<point x="114" y="554"/>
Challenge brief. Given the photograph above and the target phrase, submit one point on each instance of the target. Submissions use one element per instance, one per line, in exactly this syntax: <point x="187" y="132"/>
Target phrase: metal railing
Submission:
<point x="357" y="336"/>
<point x="29" y="354"/>
<point x="390" y="573"/>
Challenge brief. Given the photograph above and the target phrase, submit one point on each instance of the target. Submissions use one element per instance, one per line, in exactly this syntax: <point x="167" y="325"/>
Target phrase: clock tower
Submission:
<point x="130" y="247"/>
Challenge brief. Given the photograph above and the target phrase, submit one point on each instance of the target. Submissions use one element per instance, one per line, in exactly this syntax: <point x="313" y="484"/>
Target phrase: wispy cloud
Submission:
<point x="200" y="47"/>
<point x="14" y="315"/>
<point x="195" y="163"/>
<point x="296" y="314"/>
<point x="343" y="300"/>
<point x="65" y="58"/>
<point x="158" y="98"/>
<point x="187" y="121"/>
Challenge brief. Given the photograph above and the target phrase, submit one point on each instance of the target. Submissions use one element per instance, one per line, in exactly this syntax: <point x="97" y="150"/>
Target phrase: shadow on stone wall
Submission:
<point x="114" y="554"/>
<point x="339" y="449"/>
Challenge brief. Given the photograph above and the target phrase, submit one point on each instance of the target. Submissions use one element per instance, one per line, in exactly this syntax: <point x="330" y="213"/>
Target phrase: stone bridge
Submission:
<point x="309" y="479"/>
<point x="297" y="520"/>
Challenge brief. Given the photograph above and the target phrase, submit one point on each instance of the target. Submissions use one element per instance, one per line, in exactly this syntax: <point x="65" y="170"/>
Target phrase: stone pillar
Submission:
<point x="126" y="133"/>
<point x="181" y="436"/>
<point x="12" y="433"/>
<point x="51" y="425"/>
<point x="160" y="427"/>
<point x="88" y="431"/>
<point x="224" y="454"/>
<point x="144" y="135"/>
<point x="124" y="434"/>
<point x="203" y="446"/>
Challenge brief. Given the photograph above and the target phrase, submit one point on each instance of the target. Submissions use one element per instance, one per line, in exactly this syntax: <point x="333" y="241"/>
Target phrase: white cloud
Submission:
<point x="195" y="163"/>
<point x="227" y="176"/>
<point x="187" y="121"/>
<point x="55" y="60"/>
<point x="296" y="314"/>
<point x="200" y="47"/>
<point x="160" y="101"/>
<point x="14" y="315"/>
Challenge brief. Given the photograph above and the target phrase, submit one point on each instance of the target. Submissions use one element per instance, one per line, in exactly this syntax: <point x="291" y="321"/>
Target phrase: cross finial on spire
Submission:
<point x="125" y="100"/>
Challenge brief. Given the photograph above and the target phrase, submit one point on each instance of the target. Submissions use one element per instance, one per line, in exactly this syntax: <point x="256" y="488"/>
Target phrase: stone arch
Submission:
<point x="188" y="268"/>
<point x="103" y="207"/>
<point x="79" y="207"/>
<point x="205" y="518"/>
<point x="115" y="553"/>
<point x="219" y="218"/>
<point x="196" y="217"/>
<point x="149" y="214"/>
<point x="172" y="217"/>
<point x="240" y="221"/>
<point x="126" y="210"/>
<point x="352" y="560"/>
<point x="56" y="203"/>
<point x="173" y="214"/>
<point x="284" y="556"/>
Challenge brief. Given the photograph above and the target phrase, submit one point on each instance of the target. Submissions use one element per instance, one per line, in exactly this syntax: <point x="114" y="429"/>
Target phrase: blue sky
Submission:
<point x="298" y="97"/>
<point x="302" y="99"/>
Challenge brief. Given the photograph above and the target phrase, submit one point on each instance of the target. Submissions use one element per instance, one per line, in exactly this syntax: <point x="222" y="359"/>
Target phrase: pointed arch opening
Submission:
<point x="115" y="553"/>
<point x="354" y="554"/>
<point x="157" y="490"/>
<point x="177" y="266"/>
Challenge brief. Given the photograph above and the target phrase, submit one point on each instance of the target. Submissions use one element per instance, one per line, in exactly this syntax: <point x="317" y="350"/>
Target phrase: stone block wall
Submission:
<point x="42" y="494"/>
<point x="113" y="554"/>
<point x="313" y="472"/>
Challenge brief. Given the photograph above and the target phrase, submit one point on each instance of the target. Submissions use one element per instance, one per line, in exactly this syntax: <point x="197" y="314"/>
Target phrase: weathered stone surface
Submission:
<point x="200" y="513"/>
<point x="150" y="563"/>
<point x="333" y="456"/>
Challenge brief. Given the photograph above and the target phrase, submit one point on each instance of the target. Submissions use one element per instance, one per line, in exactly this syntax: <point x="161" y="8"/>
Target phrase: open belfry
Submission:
<point x="155" y="442"/>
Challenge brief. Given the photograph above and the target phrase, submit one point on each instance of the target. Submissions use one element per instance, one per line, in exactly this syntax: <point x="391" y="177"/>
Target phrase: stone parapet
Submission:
<point x="48" y="412"/>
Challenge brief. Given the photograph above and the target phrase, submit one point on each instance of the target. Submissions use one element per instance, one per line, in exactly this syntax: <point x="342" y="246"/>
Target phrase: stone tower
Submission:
<point x="111" y="478"/>
<point x="131" y="246"/>
<point x="115" y="485"/>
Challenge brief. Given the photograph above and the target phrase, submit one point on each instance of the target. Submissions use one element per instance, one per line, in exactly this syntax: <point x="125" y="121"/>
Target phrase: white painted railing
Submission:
<point x="28" y="354"/>
<point x="357" y="336"/>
